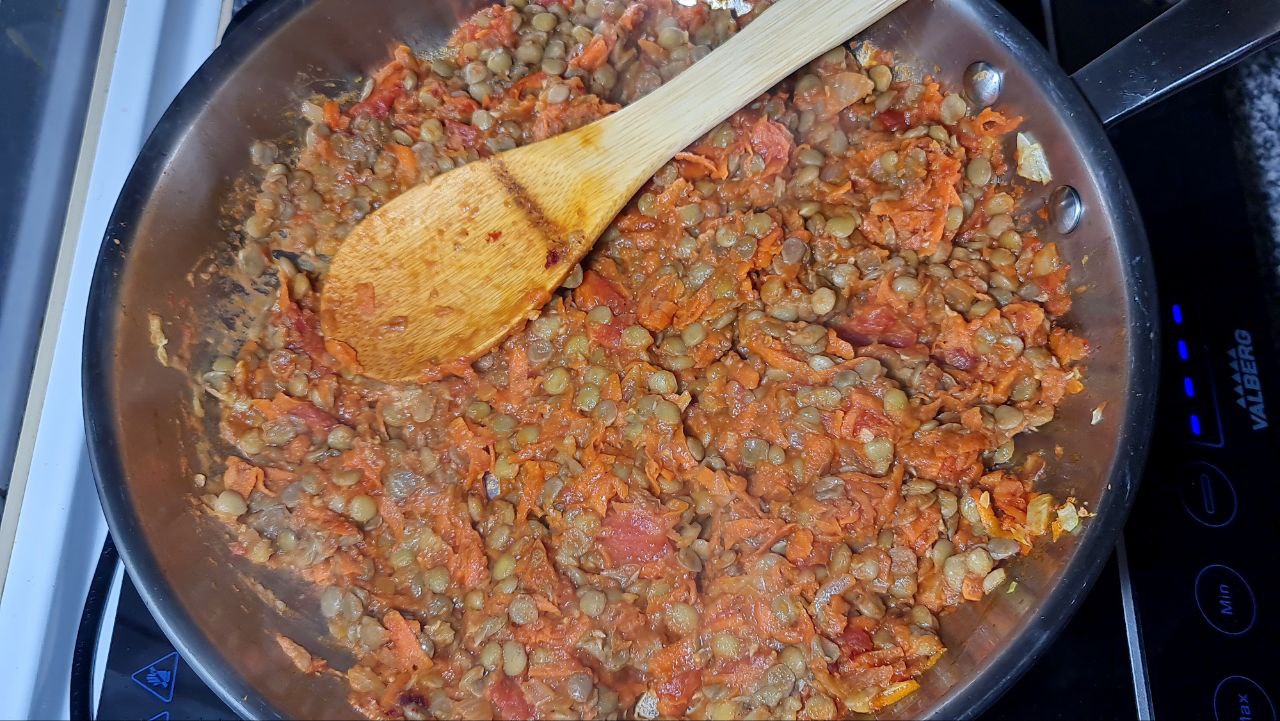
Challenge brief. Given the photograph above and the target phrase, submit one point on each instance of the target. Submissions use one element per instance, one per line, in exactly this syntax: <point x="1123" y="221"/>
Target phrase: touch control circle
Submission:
<point x="1208" y="495"/>
<point x="1225" y="599"/>
<point x="1240" y="698"/>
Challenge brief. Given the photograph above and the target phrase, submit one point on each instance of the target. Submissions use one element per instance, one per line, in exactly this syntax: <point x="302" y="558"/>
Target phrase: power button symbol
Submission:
<point x="1208" y="495"/>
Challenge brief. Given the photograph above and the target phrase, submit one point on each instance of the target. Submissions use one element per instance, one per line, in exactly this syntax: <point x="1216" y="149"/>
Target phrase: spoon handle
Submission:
<point x="771" y="47"/>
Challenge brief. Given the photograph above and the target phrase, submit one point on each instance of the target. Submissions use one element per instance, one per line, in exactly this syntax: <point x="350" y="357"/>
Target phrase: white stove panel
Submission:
<point x="53" y="528"/>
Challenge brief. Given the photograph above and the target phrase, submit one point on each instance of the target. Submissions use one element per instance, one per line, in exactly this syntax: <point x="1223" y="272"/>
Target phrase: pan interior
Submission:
<point x="167" y="233"/>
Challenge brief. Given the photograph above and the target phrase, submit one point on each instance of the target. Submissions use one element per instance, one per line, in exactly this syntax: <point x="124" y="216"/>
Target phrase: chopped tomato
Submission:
<point x="563" y="117"/>
<point x="945" y="456"/>
<point x="674" y="692"/>
<point x="380" y="101"/>
<point x="306" y="331"/>
<point x="773" y="142"/>
<point x="313" y="417"/>
<point x="954" y="345"/>
<point x="892" y="120"/>
<point x="865" y="418"/>
<point x="461" y="136"/>
<point x="634" y="535"/>
<point x="596" y="290"/>
<point x="855" y="641"/>
<point x="489" y="28"/>
<point x="869" y="323"/>
<point x="509" y="702"/>
<point x="457" y="108"/>
<point x="606" y="334"/>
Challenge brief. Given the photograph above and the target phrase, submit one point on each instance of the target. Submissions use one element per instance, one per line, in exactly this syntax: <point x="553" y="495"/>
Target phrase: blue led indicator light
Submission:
<point x="1182" y="350"/>
<point x="1177" y="314"/>
<point x="1195" y="424"/>
<point x="1188" y="387"/>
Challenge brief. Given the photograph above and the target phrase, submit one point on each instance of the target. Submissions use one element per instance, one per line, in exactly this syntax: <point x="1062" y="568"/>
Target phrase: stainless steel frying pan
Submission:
<point x="222" y="613"/>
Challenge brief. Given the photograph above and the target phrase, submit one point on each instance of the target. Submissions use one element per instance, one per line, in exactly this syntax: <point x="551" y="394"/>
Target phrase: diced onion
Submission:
<point x="1032" y="163"/>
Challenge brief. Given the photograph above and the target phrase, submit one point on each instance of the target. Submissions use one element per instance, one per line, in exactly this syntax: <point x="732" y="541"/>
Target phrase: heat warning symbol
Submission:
<point x="159" y="677"/>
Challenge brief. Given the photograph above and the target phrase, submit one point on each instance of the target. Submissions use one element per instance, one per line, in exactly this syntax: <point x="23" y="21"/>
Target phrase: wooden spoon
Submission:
<point x="444" y="271"/>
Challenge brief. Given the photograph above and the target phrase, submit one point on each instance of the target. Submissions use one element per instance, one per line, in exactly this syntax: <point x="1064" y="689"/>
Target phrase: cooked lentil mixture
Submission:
<point x="737" y="468"/>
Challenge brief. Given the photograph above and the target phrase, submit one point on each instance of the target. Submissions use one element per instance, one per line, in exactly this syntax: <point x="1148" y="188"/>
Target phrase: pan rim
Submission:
<point x="1106" y="527"/>
<point x="99" y="404"/>
<point x="967" y="701"/>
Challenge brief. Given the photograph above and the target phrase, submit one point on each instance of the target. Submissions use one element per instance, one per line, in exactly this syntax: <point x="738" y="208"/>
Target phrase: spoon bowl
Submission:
<point x="443" y="272"/>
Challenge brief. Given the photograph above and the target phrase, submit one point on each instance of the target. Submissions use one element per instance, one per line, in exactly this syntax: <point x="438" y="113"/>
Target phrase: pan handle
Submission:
<point x="1188" y="43"/>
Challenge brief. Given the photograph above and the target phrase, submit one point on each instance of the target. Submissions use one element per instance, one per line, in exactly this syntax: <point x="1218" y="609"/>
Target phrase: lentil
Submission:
<point x="753" y="328"/>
